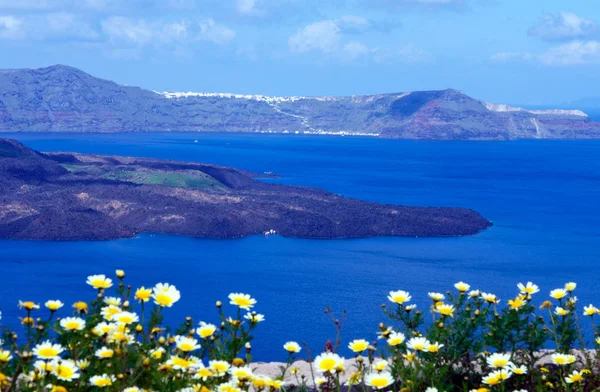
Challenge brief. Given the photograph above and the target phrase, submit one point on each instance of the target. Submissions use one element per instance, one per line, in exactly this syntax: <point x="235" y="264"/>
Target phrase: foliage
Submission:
<point x="119" y="343"/>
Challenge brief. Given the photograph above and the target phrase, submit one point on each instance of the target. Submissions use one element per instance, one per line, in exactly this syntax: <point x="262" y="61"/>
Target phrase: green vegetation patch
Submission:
<point x="179" y="179"/>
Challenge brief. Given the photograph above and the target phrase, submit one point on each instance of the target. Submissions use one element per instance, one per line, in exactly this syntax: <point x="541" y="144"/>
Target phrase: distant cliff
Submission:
<point x="65" y="196"/>
<point x="65" y="99"/>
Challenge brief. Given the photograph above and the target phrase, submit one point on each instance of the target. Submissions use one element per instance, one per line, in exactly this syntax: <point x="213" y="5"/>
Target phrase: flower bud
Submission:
<point x="120" y="274"/>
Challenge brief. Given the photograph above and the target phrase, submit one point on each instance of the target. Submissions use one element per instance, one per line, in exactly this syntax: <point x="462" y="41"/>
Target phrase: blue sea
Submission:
<point x="542" y="196"/>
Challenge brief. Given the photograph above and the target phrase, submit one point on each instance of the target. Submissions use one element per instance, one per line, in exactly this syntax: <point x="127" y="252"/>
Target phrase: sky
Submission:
<point x="544" y="52"/>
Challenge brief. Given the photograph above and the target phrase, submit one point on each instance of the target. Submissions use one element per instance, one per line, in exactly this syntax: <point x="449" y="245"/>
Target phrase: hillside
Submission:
<point x="65" y="99"/>
<point x="66" y="196"/>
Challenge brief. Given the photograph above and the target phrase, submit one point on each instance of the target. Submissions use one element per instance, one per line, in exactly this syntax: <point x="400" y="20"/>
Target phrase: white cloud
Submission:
<point x="352" y="23"/>
<point x="216" y="33"/>
<point x="323" y="36"/>
<point x="63" y="25"/>
<point x="353" y="50"/>
<point x="567" y="54"/>
<point x="327" y="36"/>
<point x="247" y="7"/>
<point x="564" y="25"/>
<point x="127" y="29"/>
<point x="121" y="29"/>
<point x="10" y="26"/>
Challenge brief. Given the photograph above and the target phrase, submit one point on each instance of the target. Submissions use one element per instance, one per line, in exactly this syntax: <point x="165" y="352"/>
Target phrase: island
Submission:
<point x="71" y="196"/>
<point x="65" y="99"/>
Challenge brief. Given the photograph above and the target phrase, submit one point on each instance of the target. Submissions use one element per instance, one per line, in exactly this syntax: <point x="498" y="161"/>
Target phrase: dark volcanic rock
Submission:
<point x="61" y="98"/>
<point x="63" y="196"/>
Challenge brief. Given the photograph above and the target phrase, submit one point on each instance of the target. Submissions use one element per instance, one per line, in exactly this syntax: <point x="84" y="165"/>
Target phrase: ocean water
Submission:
<point x="543" y="197"/>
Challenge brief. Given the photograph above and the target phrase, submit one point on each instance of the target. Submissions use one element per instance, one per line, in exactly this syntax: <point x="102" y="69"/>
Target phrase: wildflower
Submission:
<point x="242" y="373"/>
<point x="206" y="330"/>
<point x="434" y="347"/>
<point x="5" y="356"/>
<point x="81" y="307"/>
<point x="354" y="379"/>
<point x="103" y="328"/>
<point x="320" y="381"/>
<point x="590" y="310"/>
<point x="418" y="344"/>
<point x="120" y="336"/>
<point x="379" y="365"/>
<point x="104" y="353"/>
<point x="243" y="301"/>
<point x="99" y="282"/>
<point x="562" y="359"/>
<point x="399" y="297"/>
<point x="27" y="321"/>
<point x="558" y="293"/>
<point x="462" y="287"/>
<point x="83" y="364"/>
<point x="517" y="369"/>
<point x="254" y="317"/>
<point x="328" y="362"/>
<point x="560" y="311"/>
<point x="497" y="376"/>
<point x="546" y="305"/>
<point x="43" y="367"/>
<point x="498" y="360"/>
<point x="395" y="338"/>
<point x="53" y="305"/>
<point x="179" y="363"/>
<point x="598" y="340"/>
<point x="108" y="312"/>
<point x="490" y="298"/>
<point x="157" y="353"/>
<point x="72" y="323"/>
<point x="358" y="345"/>
<point x="445" y="310"/>
<point x="165" y="295"/>
<point x="529" y="288"/>
<point x="436" y="297"/>
<point x="431" y="389"/>
<point x="186" y="344"/>
<point x="516" y="304"/>
<point x="474" y="293"/>
<point x="65" y="369"/>
<point x="102" y="381"/>
<point x="120" y="273"/>
<point x="574" y="377"/>
<point x="570" y="287"/>
<point x="125" y="318"/>
<point x="292" y="347"/>
<point x="384" y="332"/>
<point x="143" y="294"/>
<point x="219" y="367"/>
<point x="47" y="350"/>
<point x="408" y="308"/>
<point x="203" y="373"/>
<point x="29" y="305"/>
<point x="379" y="380"/>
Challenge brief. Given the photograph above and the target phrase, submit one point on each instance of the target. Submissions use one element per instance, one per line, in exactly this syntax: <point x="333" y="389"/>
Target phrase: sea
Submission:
<point x="542" y="196"/>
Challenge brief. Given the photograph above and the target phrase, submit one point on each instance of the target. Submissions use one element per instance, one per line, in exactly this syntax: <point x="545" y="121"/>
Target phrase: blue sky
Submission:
<point x="505" y="51"/>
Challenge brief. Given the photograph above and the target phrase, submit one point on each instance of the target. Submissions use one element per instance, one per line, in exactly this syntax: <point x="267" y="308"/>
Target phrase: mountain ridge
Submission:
<point x="61" y="98"/>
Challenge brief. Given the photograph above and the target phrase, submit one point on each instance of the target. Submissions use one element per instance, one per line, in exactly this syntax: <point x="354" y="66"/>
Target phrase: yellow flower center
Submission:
<point x="64" y="372"/>
<point x="379" y="382"/>
<point x="47" y="352"/>
<point x="242" y="301"/>
<point x="163" y="299"/>
<point x="328" y="364"/>
<point x="103" y="382"/>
